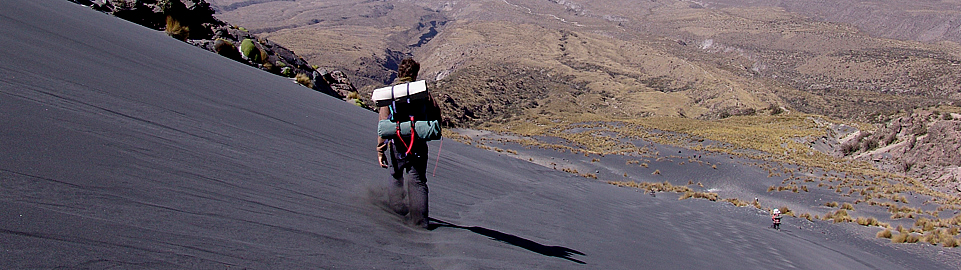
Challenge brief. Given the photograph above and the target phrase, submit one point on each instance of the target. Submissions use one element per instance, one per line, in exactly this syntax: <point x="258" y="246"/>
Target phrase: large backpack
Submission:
<point x="413" y="115"/>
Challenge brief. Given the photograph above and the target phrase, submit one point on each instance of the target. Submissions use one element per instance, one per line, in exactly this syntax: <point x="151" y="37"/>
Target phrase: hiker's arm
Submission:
<point x="383" y="114"/>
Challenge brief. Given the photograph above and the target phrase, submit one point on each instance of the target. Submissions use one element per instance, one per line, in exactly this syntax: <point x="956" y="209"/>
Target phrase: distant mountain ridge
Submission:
<point x="708" y="59"/>
<point x="926" y="21"/>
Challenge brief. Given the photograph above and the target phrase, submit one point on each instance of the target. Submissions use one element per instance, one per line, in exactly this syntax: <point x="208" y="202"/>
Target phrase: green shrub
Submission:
<point x="360" y="103"/>
<point x="251" y="51"/>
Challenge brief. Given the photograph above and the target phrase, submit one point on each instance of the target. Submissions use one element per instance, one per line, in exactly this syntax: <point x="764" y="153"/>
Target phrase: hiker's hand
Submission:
<point x="382" y="159"/>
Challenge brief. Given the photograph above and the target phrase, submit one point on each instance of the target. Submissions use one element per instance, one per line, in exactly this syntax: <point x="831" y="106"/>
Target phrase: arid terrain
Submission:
<point x="868" y="88"/>
<point x="843" y="115"/>
<point x="515" y="61"/>
<point x="598" y="135"/>
<point x="666" y="58"/>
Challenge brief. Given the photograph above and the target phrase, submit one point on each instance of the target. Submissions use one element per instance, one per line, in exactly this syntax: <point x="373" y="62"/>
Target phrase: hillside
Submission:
<point x="513" y="63"/>
<point x="708" y="60"/>
<point x="125" y="148"/>
<point x="926" y="21"/>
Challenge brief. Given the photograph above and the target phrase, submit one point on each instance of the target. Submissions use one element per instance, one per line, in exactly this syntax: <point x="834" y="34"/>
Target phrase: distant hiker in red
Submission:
<point x="407" y="157"/>
<point x="776" y="218"/>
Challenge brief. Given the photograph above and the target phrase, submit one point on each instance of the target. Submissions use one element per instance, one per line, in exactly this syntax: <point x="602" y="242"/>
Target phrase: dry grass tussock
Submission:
<point x="657" y="187"/>
<point x="665" y="186"/>
<point x="950" y="242"/>
<point x="840" y="215"/>
<point x="786" y="211"/>
<point x="926" y="224"/>
<point x="304" y="80"/>
<point x="176" y="29"/>
<point x="905" y="237"/>
<point x="901" y="237"/>
<point x="737" y="202"/>
<point x="711" y="196"/>
<point x="886" y="233"/>
<point x="867" y="221"/>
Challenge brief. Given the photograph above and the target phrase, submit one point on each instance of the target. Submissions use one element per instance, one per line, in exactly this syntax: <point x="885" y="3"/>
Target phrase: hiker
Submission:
<point x="776" y="218"/>
<point x="406" y="158"/>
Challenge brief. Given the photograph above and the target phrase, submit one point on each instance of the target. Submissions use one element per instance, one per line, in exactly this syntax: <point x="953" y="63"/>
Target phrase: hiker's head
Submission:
<point x="407" y="70"/>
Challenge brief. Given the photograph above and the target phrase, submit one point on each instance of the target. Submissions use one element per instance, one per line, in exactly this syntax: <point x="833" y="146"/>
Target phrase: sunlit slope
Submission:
<point x="124" y="148"/>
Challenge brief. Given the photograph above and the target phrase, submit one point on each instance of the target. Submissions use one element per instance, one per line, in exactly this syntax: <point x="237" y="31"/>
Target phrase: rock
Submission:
<point x="227" y="49"/>
<point x="321" y="84"/>
<point x="340" y="83"/>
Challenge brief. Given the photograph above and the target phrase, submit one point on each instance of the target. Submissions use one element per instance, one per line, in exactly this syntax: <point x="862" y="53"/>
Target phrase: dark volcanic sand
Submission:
<point x="124" y="148"/>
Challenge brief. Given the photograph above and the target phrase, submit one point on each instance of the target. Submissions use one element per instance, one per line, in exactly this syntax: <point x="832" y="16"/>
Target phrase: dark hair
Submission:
<point x="407" y="70"/>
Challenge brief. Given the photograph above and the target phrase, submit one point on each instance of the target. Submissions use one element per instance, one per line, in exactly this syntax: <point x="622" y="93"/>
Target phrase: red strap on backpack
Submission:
<point x="410" y="147"/>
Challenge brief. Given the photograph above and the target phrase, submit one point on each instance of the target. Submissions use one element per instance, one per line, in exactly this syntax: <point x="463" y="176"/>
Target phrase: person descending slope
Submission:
<point x="776" y="218"/>
<point x="409" y="118"/>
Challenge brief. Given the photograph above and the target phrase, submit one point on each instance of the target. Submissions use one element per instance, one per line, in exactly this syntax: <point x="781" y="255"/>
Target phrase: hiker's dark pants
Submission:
<point x="408" y="188"/>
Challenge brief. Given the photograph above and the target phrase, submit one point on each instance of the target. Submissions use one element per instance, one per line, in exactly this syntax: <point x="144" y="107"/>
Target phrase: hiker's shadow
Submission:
<point x="553" y="251"/>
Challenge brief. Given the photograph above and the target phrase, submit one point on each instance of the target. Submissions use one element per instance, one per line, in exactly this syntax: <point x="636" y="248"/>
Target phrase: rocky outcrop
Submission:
<point x="924" y="145"/>
<point x="193" y="22"/>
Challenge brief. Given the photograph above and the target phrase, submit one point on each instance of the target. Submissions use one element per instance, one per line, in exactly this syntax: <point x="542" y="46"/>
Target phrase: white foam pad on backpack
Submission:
<point x="416" y="90"/>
